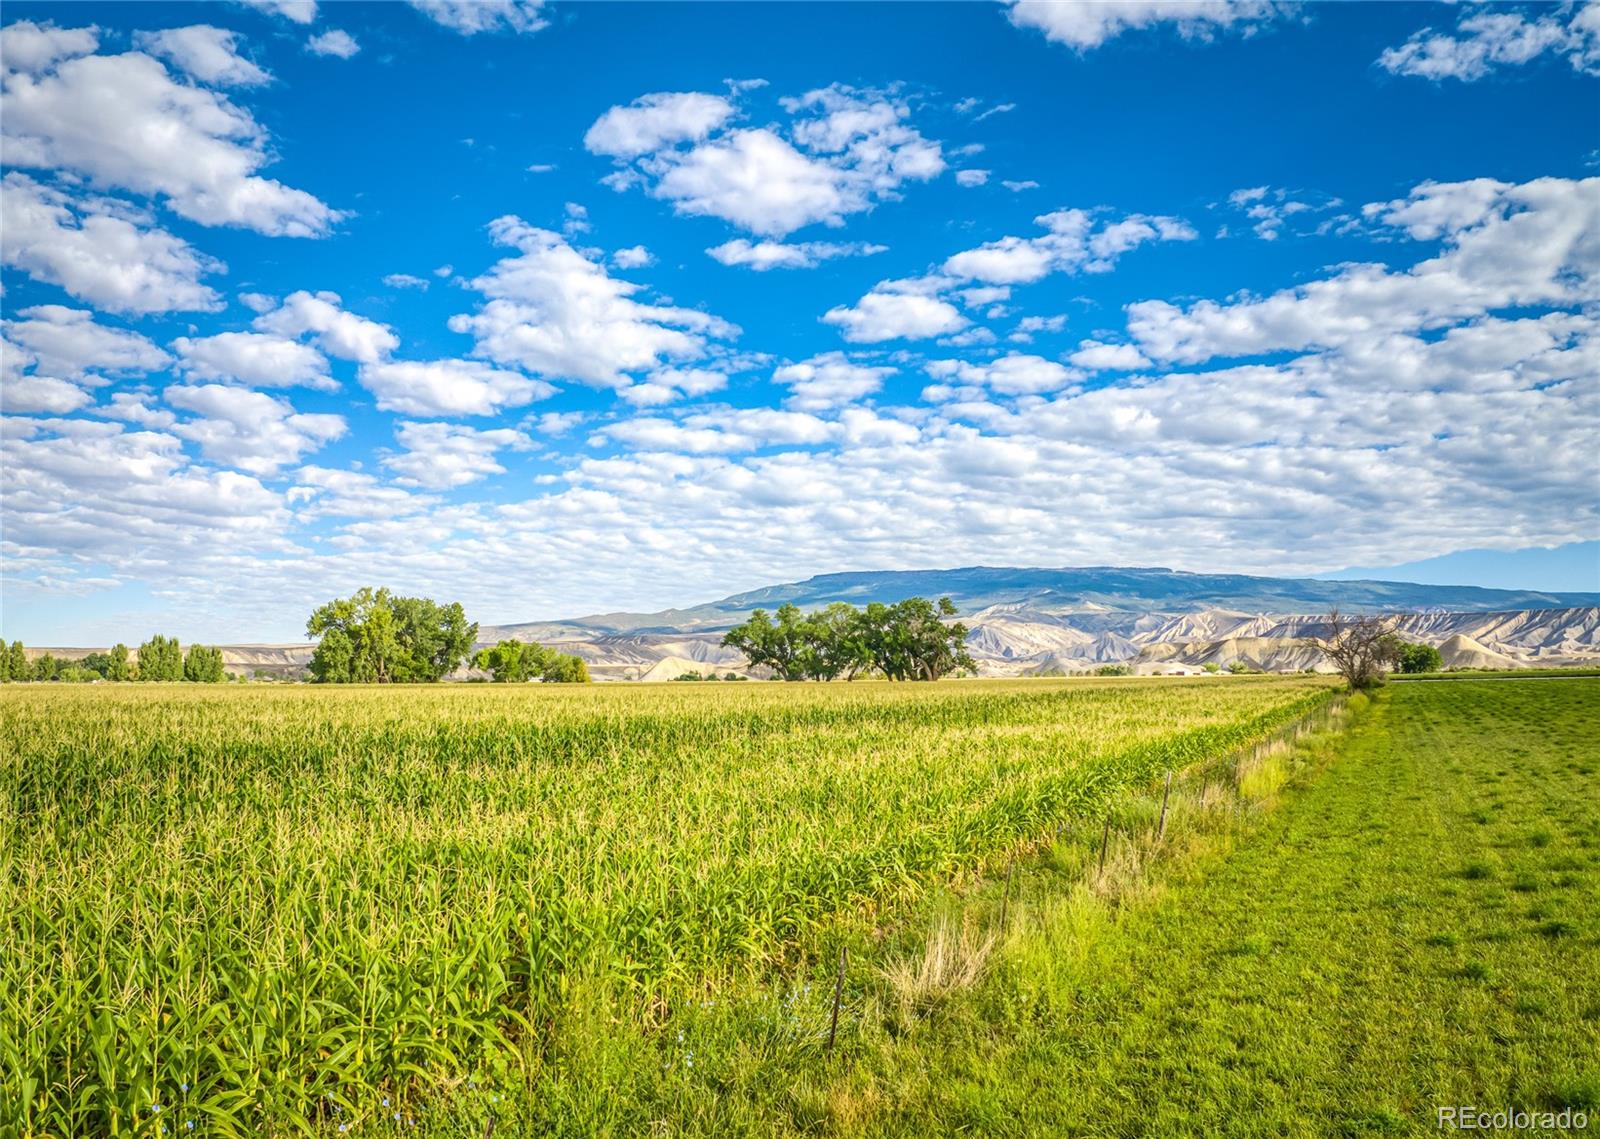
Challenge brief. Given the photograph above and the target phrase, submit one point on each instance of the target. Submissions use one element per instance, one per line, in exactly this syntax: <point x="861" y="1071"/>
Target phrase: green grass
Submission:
<point x="1343" y="965"/>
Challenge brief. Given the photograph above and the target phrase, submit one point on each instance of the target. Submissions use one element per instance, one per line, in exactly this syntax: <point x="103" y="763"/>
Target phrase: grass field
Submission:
<point x="1377" y="925"/>
<point x="301" y="910"/>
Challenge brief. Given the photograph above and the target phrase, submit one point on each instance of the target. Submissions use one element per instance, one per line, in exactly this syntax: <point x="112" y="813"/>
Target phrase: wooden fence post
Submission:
<point x="1005" y="898"/>
<point x="1105" y="841"/>
<point x="838" y="992"/>
<point x="1161" y="828"/>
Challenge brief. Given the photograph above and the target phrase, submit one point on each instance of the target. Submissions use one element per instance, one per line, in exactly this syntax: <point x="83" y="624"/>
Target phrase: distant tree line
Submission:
<point x="160" y="659"/>
<point x="909" y="640"/>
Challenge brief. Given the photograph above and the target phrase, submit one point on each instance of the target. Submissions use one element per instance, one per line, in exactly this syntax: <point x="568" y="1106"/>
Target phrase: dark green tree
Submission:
<point x="1417" y="658"/>
<point x="160" y="658"/>
<point x="46" y="667"/>
<point x="784" y="646"/>
<point x="203" y="665"/>
<point x="117" y="666"/>
<point x="383" y="639"/>
<point x="17" y="666"/>
<point x="516" y="662"/>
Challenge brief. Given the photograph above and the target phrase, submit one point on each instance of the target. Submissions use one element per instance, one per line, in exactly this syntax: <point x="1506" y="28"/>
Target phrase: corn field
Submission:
<point x="245" y="906"/>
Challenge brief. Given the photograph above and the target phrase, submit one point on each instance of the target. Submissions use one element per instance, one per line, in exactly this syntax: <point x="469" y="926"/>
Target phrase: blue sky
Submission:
<point x="571" y="308"/>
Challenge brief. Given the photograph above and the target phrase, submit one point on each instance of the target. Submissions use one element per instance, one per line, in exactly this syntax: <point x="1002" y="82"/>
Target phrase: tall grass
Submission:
<point x="253" y="906"/>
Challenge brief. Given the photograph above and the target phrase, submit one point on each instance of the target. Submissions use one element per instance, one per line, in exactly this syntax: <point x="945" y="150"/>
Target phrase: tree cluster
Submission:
<point x="912" y="639"/>
<point x="377" y="638"/>
<point x="515" y="662"/>
<point x="160" y="659"/>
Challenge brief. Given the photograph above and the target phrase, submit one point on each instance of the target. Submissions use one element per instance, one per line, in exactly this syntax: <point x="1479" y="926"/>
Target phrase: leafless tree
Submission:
<point x="1361" y="648"/>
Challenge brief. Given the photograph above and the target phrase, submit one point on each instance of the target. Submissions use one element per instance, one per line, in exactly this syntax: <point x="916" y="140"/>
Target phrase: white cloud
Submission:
<point x="829" y="380"/>
<point x="1030" y="326"/>
<point x="1485" y="40"/>
<point x="1018" y="187"/>
<point x="340" y="333"/>
<point x="1014" y="374"/>
<point x="1085" y="26"/>
<point x="31" y="395"/>
<point x="764" y="255"/>
<point x="255" y="359"/>
<point x="449" y="387"/>
<point x="136" y="407"/>
<point x="122" y="121"/>
<point x="335" y="42"/>
<point x="208" y="53"/>
<point x="1075" y="242"/>
<point x="846" y="150"/>
<point x="668" y="385"/>
<point x="406" y="281"/>
<point x="893" y="310"/>
<point x="555" y="312"/>
<point x="972" y="177"/>
<point x="69" y="344"/>
<point x="1096" y="356"/>
<point x="653" y="122"/>
<point x="320" y="492"/>
<point x="469" y="17"/>
<point x="250" y="430"/>
<point x="1270" y="210"/>
<point x="634" y="257"/>
<point x="440" y="456"/>
<point x="1503" y="245"/>
<point x="79" y="489"/>
<point x="27" y="46"/>
<point x="295" y="11"/>
<point x="99" y="256"/>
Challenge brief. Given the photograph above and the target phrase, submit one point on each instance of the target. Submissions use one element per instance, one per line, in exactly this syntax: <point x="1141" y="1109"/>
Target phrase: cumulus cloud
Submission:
<point x="668" y="385"/>
<point x="1097" y="356"/>
<point x="1503" y="245"/>
<point x="555" y="312"/>
<point x="30" y="47"/>
<point x="121" y="121"/>
<point x="844" y="150"/>
<point x="1269" y="210"/>
<point x="254" y="359"/>
<point x="972" y="177"/>
<point x="250" y="430"/>
<point x="469" y="17"/>
<point x="764" y="255"/>
<point x="340" y="333"/>
<point x="634" y="257"/>
<point x="1075" y="241"/>
<point x="829" y="380"/>
<point x="208" y="53"/>
<point x="71" y="344"/>
<point x="1014" y="374"/>
<point x="442" y="456"/>
<point x="655" y="122"/>
<point x="101" y="253"/>
<point x="448" y="387"/>
<point x="406" y="281"/>
<point x="335" y="42"/>
<point x="1486" y="40"/>
<point x="895" y="310"/>
<point x="295" y="11"/>
<point x="1086" y="26"/>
